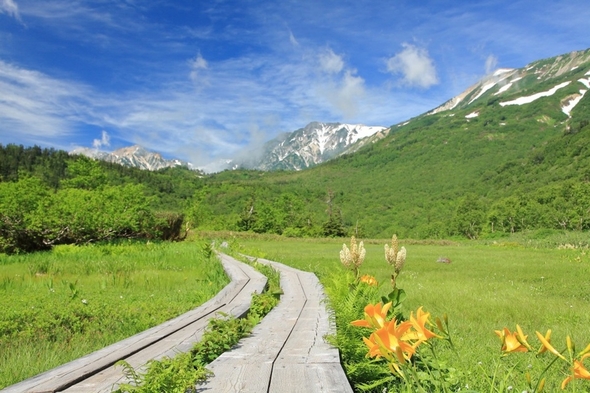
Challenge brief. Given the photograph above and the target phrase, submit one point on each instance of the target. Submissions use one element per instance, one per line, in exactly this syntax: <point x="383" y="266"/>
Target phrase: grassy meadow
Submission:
<point x="59" y="305"/>
<point x="486" y="287"/>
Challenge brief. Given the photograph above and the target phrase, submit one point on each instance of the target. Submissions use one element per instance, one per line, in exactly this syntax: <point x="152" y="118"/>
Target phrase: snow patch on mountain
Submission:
<point x="504" y="72"/>
<point x="534" y="97"/>
<point x="570" y="102"/>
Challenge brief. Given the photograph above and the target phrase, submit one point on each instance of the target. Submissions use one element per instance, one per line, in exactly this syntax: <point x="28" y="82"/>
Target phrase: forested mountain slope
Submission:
<point x="509" y="154"/>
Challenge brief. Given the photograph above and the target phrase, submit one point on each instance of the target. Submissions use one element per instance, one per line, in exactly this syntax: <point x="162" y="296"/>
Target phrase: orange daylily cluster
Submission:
<point x="369" y="280"/>
<point x="517" y="342"/>
<point x="393" y="340"/>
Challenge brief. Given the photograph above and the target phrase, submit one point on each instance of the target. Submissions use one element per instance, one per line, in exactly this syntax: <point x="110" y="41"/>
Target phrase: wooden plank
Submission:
<point x="305" y="362"/>
<point x="311" y="378"/>
<point x="248" y="367"/>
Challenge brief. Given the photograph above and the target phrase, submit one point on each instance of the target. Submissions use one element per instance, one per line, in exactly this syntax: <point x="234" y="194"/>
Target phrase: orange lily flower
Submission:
<point x="369" y="280"/>
<point x="548" y="346"/>
<point x="390" y="340"/>
<point x="374" y="349"/>
<point x="547" y="338"/>
<point x="419" y="324"/>
<point x="579" y="372"/>
<point x="513" y="342"/>
<point x="374" y="316"/>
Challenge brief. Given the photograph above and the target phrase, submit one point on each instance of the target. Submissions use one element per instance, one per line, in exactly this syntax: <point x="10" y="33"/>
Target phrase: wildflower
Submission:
<point x="354" y="257"/>
<point x="391" y="252"/>
<point x="419" y="324"/>
<point x="513" y="342"/>
<point x="369" y="280"/>
<point x="579" y="372"/>
<point x="374" y="316"/>
<point x="547" y="339"/>
<point x="394" y="256"/>
<point x="388" y="342"/>
<point x="548" y="346"/>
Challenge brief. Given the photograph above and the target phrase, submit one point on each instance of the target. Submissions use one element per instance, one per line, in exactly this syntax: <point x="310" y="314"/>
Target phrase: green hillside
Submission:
<point x="510" y="154"/>
<point x="440" y="174"/>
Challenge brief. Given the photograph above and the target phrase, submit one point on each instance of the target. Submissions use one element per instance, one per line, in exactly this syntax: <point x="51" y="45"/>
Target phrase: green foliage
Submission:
<point x="33" y="217"/>
<point x="18" y="202"/>
<point x="469" y="217"/>
<point x="59" y="305"/>
<point x="348" y="302"/>
<point x="177" y="375"/>
<point x="221" y="335"/>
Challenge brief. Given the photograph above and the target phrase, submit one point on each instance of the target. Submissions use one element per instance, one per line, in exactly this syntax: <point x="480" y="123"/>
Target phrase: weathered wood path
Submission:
<point x="285" y="353"/>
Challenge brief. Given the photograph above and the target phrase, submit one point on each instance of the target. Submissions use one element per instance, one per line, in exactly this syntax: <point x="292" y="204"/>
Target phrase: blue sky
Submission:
<point x="202" y="80"/>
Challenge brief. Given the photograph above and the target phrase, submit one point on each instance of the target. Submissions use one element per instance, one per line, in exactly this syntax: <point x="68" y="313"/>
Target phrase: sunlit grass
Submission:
<point x="59" y="305"/>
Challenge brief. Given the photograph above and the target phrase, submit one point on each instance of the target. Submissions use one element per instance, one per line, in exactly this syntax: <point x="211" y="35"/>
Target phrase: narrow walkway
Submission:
<point x="285" y="353"/>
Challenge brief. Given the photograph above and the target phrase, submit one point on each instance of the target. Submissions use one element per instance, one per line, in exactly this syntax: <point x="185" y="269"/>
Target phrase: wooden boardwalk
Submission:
<point x="286" y="352"/>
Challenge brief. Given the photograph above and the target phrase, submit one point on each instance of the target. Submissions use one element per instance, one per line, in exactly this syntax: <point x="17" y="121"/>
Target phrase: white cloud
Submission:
<point x="104" y="141"/>
<point x="330" y="62"/>
<point x="34" y="104"/>
<point x="415" y="65"/>
<point x="9" y="7"/>
<point x="345" y="94"/>
<point x="197" y="64"/>
<point x="292" y="39"/>
<point x="491" y="64"/>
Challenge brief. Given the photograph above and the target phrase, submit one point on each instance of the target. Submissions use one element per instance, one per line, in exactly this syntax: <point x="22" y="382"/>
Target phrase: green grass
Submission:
<point x="57" y="306"/>
<point x="485" y="288"/>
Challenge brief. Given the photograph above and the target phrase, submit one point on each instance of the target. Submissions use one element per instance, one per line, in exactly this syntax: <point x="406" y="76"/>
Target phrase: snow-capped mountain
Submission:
<point x="315" y="143"/>
<point x="526" y="85"/>
<point x="133" y="156"/>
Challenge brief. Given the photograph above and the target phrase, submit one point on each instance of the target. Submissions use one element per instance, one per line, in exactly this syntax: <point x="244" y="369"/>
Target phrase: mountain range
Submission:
<point x="133" y="156"/>
<point x="563" y="80"/>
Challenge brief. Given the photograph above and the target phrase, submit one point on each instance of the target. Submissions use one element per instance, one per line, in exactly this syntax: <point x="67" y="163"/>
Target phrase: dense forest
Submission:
<point x="48" y="197"/>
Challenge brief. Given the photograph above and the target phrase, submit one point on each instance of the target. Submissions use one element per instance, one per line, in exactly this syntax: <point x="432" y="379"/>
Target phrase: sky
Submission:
<point x="209" y="80"/>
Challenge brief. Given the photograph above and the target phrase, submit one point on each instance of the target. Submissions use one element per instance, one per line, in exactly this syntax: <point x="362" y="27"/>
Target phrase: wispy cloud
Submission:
<point x="104" y="141"/>
<point x="197" y="65"/>
<point x="415" y="65"/>
<point x="330" y="62"/>
<point x="34" y="104"/>
<point x="11" y="8"/>
<point x="491" y="63"/>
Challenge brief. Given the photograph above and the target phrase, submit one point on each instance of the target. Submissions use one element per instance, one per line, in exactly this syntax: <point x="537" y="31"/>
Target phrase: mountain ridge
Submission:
<point x="133" y="156"/>
<point x="311" y="145"/>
